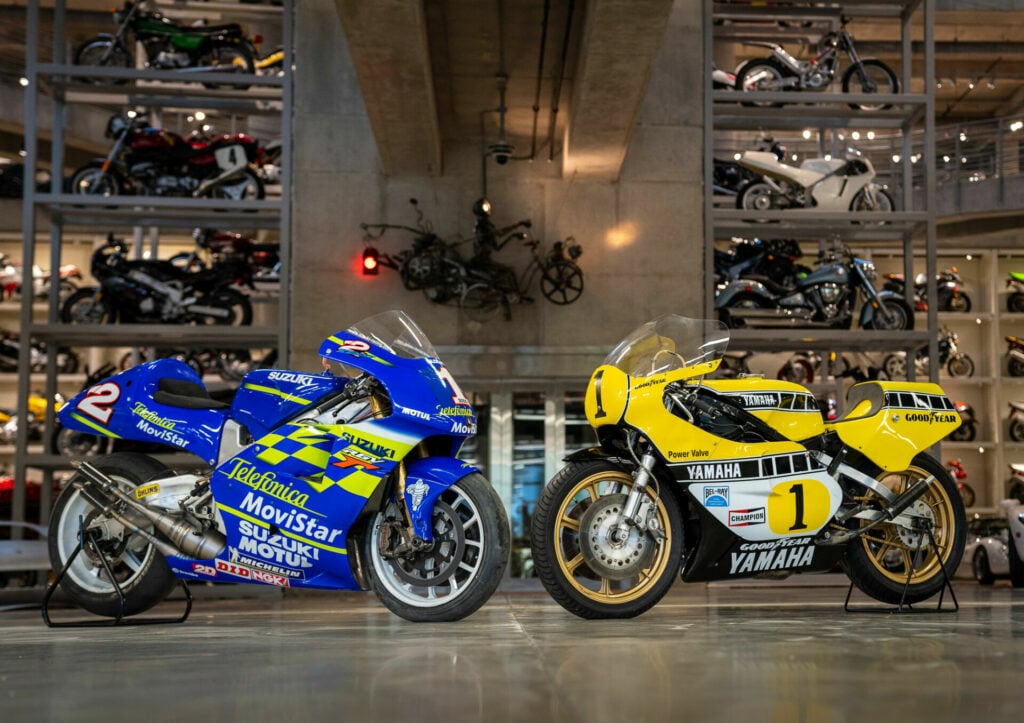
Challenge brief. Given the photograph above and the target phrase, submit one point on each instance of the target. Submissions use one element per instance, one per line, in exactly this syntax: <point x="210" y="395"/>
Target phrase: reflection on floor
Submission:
<point x="757" y="651"/>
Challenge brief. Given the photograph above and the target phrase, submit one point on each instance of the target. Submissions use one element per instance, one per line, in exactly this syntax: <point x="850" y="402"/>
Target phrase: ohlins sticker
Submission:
<point x="266" y="482"/>
<point x="744" y="469"/>
<point x="286" y="551"/>
<point x="742" y="518"/>
<point x="785" y="554"/>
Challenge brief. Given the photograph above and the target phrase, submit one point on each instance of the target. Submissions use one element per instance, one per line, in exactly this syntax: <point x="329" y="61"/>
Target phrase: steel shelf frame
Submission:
<point x="66" y="84"/>
<point x="827" y="112"/>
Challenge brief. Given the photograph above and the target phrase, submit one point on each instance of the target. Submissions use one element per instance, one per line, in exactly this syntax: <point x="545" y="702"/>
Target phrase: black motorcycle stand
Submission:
<point x="904" y="606"/>
<point x="84" y="539"/>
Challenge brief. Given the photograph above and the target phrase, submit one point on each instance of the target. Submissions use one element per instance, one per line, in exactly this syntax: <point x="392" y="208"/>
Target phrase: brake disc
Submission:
<point x="605" y="556"/>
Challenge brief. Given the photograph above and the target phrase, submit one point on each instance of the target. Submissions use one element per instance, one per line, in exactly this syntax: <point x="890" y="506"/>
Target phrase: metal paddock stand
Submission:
<point x="904" y="606"/>
<point x="86" y="539"/>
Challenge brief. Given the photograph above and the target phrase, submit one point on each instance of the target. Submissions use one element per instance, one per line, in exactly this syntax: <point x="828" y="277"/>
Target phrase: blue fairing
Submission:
<point x="267" y="397"/>
<point x="123" y="407"/>
<point x="425" y="480"/>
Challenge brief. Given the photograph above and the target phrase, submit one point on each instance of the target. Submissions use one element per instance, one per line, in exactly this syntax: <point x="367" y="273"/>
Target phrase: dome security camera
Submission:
<point x="501" y="151"/>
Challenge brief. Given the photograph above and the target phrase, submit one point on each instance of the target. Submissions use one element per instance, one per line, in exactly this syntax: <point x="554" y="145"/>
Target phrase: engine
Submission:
<point x="158" y="183"/>
<point x="830" y="298"/>
<point x="817" y="79"/>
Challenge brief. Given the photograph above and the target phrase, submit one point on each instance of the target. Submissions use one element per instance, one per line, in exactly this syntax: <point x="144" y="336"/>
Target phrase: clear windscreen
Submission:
<point x="396" y="332"/>
<point x="668" y="343"/>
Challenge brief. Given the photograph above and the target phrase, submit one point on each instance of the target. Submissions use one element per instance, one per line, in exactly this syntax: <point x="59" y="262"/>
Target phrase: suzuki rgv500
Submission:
<point x="316" y="480"/>
<point x="733" y="478"/>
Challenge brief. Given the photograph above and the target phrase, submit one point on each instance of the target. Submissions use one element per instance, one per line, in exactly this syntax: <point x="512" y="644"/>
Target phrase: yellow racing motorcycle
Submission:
<point x="736" y="478"/>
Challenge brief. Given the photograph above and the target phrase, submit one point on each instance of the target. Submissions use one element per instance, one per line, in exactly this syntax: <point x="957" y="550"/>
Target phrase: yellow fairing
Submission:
<point x="786" y="407"/>
<point x="614" y="397"/>
<point x="890" y="422"/>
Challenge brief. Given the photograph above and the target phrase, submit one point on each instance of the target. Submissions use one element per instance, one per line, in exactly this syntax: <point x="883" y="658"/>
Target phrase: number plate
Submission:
<point x="231" y="158"/>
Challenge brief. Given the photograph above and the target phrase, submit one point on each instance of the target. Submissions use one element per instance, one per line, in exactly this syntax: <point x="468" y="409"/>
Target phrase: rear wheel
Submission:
<point x="94" y="181"/>
<point x="898" y="555"/>
<point x="561" y="282"/>
<point x="1015" y="303"/>
<point x="761" y="75"/>
<point x="582" y="566"/>
<point x="455" y="575"/>
<point x="960" y="366"/>
<point x="139" y="569"/>
<point x="237" y="306"/>
<point x="246" y="187"/>
<point x="1017" y="430"/>
<point x="740" y="301"/>
<point x="229" y="59"/>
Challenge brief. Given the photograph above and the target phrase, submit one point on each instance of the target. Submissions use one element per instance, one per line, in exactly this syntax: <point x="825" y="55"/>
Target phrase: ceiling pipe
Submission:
<point x="556" y="90"/>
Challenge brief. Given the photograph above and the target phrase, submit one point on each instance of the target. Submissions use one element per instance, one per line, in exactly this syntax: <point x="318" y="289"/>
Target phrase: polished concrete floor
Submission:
<point x="757" y="651"/>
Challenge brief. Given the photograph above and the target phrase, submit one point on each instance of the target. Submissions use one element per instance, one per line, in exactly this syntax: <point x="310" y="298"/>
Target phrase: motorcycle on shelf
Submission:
<point x="719" y="479"/>
<point x="780" y="71"/>
<point x="968" y="428"/>
<point x="956" y="470"/>
<point x="802" y="368"/>
<point x="12" y="279"/>
<point x="171" y="46"/>
<point x="949" y="286"/>
<point x="1015" y="422"/>
<point x="148" y="161"/>
<point x="314" y="481"/>
<point x="1015" y="483"/>
<point x="159" y="292"/>
<point x="824" y="298"/>
<point x="1015" y="301"/>
<point x="1015" y="356"/>
<point x="824" y="184"/>
<point x="213" y="247"/>
<point x="39" y="353"/>
<point x="755" y="258"/>
<point x="956" y="362"/>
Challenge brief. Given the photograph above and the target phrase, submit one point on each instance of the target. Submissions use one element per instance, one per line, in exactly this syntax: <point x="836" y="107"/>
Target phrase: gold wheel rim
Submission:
<point x="583" y="579"/>
<point x="890" y="555"/>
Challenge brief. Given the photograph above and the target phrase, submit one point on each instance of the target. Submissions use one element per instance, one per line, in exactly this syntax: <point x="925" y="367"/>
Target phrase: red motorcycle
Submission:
<point x="148" y="161"/>
<point x="213" y="247"/>
<point x="956" y="470"/>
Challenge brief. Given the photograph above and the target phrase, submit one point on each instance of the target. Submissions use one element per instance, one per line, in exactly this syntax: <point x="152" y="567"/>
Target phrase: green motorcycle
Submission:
<point x="170" y="46"/>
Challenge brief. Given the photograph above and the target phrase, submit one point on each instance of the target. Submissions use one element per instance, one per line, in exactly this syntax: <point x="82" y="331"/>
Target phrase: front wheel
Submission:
<point x="960" y="303"/>
<point x="898" y="556"/>
<point x="964" y="433"/>
<point x="235" y="307"/>
<point x="1017" y="429"/>
<point x="900" y="317"/>
<point x="882" y="202"/>
<point x="1016" y="367"/>
<point x="1015" y="303"/>
<point x="459" y="572"/>
<point x="83" y="307"/>
<point x="581" y="564"/>
<point x="895" y="365"/>
<point x="103" y="53"/>
<point x="92" y="180"/>
<point x="139" y="569"/>
<point x="870" y="76"/>
<point x="761" y="75"/>
<point x="960" y="366"/>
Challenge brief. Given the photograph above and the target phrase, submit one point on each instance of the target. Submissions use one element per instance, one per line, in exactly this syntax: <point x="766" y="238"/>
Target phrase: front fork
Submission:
<point x="629" y="515"/>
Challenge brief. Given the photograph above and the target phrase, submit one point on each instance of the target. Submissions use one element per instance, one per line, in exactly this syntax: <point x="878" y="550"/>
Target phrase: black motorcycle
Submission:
<point x="824" y="298"/>
<point x="756" y="258"/>
<point x="159" y="292"/>
<point x="170" y="46"/>
<point x="948" y="284"/>
<point x="968" y="428"/>
<point x="957" y="363"/>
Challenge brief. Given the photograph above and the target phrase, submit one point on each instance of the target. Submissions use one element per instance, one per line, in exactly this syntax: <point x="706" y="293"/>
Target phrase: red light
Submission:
<point x="371" y="261"/>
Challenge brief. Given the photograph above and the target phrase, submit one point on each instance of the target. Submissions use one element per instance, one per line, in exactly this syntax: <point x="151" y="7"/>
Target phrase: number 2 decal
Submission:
<point x="99" y="400"/>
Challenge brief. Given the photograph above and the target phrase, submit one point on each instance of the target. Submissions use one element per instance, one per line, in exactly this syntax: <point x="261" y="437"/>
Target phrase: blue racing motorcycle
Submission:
<point x="312" y="480"/>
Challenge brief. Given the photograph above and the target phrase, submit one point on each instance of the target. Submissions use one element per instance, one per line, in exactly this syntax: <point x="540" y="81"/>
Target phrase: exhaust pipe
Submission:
<point x="185" y="540"/>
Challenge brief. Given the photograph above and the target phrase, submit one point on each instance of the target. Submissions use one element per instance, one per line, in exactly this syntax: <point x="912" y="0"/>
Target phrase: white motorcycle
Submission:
<point x="820" y="183"/>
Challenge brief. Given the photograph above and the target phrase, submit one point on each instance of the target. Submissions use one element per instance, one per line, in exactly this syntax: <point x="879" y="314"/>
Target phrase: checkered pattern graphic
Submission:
<point x="303" y="450"/>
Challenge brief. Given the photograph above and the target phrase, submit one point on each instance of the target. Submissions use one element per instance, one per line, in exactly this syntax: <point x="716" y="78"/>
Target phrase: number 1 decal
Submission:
<point x="797" y="491"/>
<point x="448" y="380"/>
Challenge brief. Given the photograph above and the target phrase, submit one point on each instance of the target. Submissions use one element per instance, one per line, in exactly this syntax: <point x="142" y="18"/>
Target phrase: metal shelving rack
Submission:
<point x="828" y="112"/>
<point x="65" y="84"/>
